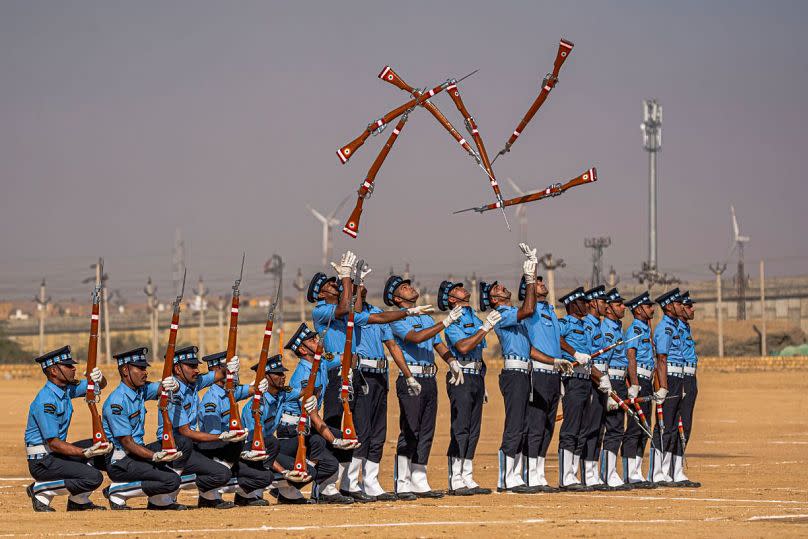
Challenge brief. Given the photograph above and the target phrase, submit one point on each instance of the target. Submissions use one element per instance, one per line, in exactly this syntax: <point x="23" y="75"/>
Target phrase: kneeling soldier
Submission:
<point x="57" y="466"/>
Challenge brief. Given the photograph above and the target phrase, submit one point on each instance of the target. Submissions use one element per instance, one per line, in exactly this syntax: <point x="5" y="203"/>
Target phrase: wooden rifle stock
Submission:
<point x="168" y="443"/>
<point x="348" y="428"/>
<point x="232" y="338"/>
<point x="352" y="225"/>
<point x="91" y="397"/>
<point x="308" y="391"/>
<point x="258" y="444"/>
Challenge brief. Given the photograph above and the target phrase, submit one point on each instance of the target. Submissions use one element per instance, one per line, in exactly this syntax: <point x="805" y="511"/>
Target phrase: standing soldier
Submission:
<point x="371" y="385"/>
<point x="612" y="328"/>
<point x="57" y="466"/>
<point x="466" y="389"/>
<point x="210" y="474"/>
<point x="249" y="478"/>
<point x="639" y="375"/>
<point x="690" y="388"/>
<point x="137" y="469"/>
<point x="418" y="336"/>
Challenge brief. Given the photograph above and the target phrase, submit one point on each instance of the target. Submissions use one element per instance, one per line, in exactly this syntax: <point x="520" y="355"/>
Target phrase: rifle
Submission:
<point x="608" y="348"/>
<point x="642" y="423"/>
<point x="92" y="397"/>
<point x="258" y="444"/>
<point x="549" y="82"/>
<point x="366" y="189"/>
<point x="377" y="126"/>
<point x="308" y="391"/>
<point x="681" y="428"/>
<point x="553" y="190"/>
<point x="232" y="337"/>
<point x="346" y="393"/>
<point x="168" y="443"/>
<point x="660" y="417"/>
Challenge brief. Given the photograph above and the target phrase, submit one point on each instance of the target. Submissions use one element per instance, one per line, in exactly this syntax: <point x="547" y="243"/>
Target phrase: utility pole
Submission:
<point x="613" y="278"/>
<point x="652" y="143"/>
<point x="151" y="303"/>
<point x="598" y="245"/>
<point x="300" y="286"/>
<point x="718" y="269"/>
<point x="201" y="299"/>
<point x="42" y="307"/>
<point x="550" y="265"/>
<point x="763" y="348"/>
<point x="220" y="311"/>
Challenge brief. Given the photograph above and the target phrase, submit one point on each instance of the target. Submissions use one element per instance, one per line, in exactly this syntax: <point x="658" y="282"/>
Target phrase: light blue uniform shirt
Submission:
<point x="415" y="353"/>
<point x="572" y="330"/>
<point x="124" y="412"/>
<point x="668" y="340"/>
<point x="512" y="334"/>
<point x="271" y="411"/>
<point x="334" y="342"/>
<point x="467" y="325"/>
<point x="613" y="332"/>
<point x="544" y="330"/>
<point x="51" y="411"/>
<point x="215" y="409"/>
<point x="643" y="346"/>
<point x="688" y="344"/>
<point x="369" y="339"/>
<point x="186" y="404"/>
<point x="298" y="381"/>
<point x="592" y="326"/>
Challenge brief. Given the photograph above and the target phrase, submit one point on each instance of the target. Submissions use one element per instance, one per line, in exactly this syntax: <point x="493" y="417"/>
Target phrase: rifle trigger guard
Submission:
<point x="368" y="191"/>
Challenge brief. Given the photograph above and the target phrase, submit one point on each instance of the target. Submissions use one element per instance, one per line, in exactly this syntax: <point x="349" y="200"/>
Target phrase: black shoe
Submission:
<point x="643" y="485"/>
<point x="618" y="487"/>
<point x="575" y="487"/>
<point x="687" y="483"/>
<point x="358" y="496"/>
<point x="39" y="507"/>
<point x="663" y="484"/>
<point x="170" y="507"/>
<point x="335" y="498"/>
<point x="112" y="505"/>
<point x="478" y="490"/>
<point x="434" y="494"/>
<point x="274" y="493"/>
<point x="73" y="506"/>
<point x="601" y="487"/>
<point x="462" y="491"/>
<point x="386" y="497"/>
<point x="542" y="488"/>
<point x="521" y="489"/>
<point x="243" y="501"/>
<point x="293" y="501"/>
<point x="214" y="504"/>
<point x="406" y="497"/>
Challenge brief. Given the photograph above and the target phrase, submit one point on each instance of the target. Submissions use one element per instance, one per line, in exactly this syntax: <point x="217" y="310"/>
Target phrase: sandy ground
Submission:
<point x="749" y="449"/>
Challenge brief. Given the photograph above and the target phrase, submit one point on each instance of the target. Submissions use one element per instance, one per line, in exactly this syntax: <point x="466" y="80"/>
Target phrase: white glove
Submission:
<point x="97" y="449"/>
<point x="345" y="266"/>
<point x="96" y="376"/>
<point x="453" y="316"/>
<point x="660" y="394"/>
<point x="491" y="320"/>
<point x="562" y="365"/>
<point x="364" y="272"/>
<point x="529" y="253"/>
<point x="582" y="358"/>
<point x="254" y="456"/>
<point x="633" y="391"/>
<point x="413" y="387"/>
<point x="263" y="386"/>
<point x="420" y="309"/>
<point x="163" y="456"/>
<point x="296" y="477"/>
<point x="340" y="443"/>
<point x="170" y="384"/>
<point x="232" y="366"/>
<point x="611" y="405"/>
<point x="310" y="404"/>
<point x="529" y="271"/>
<point x="457" y="373"/>
<point x="605" y="386"/>
<point x="233" y="435"/>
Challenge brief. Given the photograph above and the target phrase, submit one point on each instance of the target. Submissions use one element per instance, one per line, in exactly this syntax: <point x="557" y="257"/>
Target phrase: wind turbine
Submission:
<point x="328" y="223"/>
<point x="741" y="277"/>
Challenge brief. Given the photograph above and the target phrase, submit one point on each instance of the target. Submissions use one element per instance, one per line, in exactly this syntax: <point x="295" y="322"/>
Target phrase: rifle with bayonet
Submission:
<point x="235" y="425"/>
<point x="553" y="190"/>
<point x="346" y="392"/>
<point x="92" y="395"/>
<point x="549" y="82"/>
<point x="169" y="446"/>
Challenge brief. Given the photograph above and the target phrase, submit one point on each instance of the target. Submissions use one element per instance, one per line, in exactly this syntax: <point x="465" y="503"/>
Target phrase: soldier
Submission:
<point x="466" y="388"/>
<point x="249" y="478"/>
<point x="612" y="328"/>
<point x="210" y="475"/>
<point x="639" y="375"/>
<point x="690" y="388"/>
<point x="58" y="466"/>
<point x="419" y="338"/>
<point x="135" y="468"/>
<point x="323" y="442"/>
<point x="371" y="386"/>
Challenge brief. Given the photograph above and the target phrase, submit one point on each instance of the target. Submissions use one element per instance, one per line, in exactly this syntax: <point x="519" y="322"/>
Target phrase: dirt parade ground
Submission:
<point x="749" y="449"/>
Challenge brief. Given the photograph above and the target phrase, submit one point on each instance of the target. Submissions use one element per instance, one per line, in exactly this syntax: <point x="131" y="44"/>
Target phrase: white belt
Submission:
<point x="645" y="373"/>
<point x="517" y="364"/>
<point x="118" y="454"/>
<point x="544" y="367"/>
<point x="422" y="370"/>
<point x="583" y="370"/>
<point x="289" y="419"/>
<point x="378" y="364"/>
<point x="675" y="369"/>
<point x="602" y="367"/>
<point x="690" y="370"/>
<point x="36" y="452"/>
<point x="470" y="366"/>
<point x="617" y="373"/>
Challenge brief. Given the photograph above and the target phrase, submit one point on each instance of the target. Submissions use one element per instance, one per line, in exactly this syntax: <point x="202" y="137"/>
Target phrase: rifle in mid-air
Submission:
<point x="235" y="425"/>
<point x="91" y="396"/>
<point x="169" y="445"/>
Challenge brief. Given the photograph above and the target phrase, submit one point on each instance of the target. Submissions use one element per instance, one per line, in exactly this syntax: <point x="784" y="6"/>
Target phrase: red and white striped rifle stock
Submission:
<point x="168" y="443"/>
<point x="366" y="189"/>
<point x="308" y="391"/>
<point x="232" y="338"/>
<point x="549" y="82"/>
<point x="346" y="392"/>
<point x="554" y="190"/>
<point x="91" y="396"/>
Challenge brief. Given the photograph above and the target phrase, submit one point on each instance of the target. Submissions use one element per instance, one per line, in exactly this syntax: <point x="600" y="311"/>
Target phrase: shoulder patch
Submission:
<point x="210" y="407"/>
<point x="49" y="408"/>
<point x="578" y="331"/>
<point x="225" y="413"/>
<point x="637" y="330"/>
<point x="468" y="325"/>
<point x="417" y="326"/>
<point x="117" y="409"/>
<point x="187" y="407"/>
<point x="596" y="337"/>
<point x="547" y="316"/>
<point x="133" y="415"/>
<point x="669" y="331"/>
<point x="610" y="335"/>
<point x="646" y="340"/>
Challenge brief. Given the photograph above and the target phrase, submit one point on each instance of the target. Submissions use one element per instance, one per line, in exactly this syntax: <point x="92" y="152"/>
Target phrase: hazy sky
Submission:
<point x="121" y="121"/>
